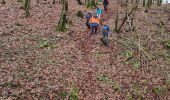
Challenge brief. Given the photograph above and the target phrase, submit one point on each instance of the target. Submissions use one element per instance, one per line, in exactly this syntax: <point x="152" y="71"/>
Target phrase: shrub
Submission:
<point x="167" y="43"/>
<point x="80" y="14"/>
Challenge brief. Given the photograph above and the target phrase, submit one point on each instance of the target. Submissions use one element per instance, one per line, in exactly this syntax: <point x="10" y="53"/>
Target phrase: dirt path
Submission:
<point x="85" y="41"/>
<point x="84" y="44"/>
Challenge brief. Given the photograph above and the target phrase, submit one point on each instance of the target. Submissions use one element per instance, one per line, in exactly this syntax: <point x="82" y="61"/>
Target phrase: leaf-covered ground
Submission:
<point x="38" y="63"/>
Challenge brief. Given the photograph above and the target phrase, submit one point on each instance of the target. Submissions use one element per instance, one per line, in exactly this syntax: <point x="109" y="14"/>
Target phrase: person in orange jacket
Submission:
<point x="94" y="23"/>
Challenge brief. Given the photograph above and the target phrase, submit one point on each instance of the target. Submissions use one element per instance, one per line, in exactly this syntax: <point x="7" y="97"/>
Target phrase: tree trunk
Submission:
<point x="117" y="17"/>
<point x="27" y="7"/>
<point x="3" y="2"/>
<point x="79" y="2"/>
<point x="159" y="2"/>
<point x="144" y="3"/>
<point x="62" y="22"/>
<point x="53" y="1"/>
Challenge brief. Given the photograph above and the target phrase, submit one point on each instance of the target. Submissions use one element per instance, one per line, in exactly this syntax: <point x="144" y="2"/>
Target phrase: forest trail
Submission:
<point x="85" y="40"/>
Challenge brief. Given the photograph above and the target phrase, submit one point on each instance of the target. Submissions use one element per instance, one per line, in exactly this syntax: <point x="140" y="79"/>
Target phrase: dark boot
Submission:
<point x="96" y="30"/>
<point x="92" y="30"/>
<point x="104" y="41"/>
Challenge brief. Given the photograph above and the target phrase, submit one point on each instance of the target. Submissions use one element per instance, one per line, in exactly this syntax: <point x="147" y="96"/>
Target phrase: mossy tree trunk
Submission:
<point x="91" y="4"/>
<point x="147" y="4"/>
<point x="27" y="7"/>
<point x="61" y="26"/>
<point x="159" y="2"/>
<point x="117" y="17"/>
<point x="144" y="3"/>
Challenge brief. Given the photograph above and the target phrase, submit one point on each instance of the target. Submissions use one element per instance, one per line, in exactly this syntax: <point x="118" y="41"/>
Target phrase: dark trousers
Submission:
<point x="105" y="7"/>
<point x="104" y="39"/>
<point x="88" y="24"/>
<point x="94" y="27"/>
<point x="105" y="34"/>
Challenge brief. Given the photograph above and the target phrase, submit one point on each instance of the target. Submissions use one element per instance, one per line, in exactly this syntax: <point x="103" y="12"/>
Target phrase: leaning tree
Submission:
<point x="130" y="11"/>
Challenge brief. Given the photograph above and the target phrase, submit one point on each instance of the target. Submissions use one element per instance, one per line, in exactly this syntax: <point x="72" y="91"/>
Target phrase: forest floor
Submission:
<point x="39" y="63"/>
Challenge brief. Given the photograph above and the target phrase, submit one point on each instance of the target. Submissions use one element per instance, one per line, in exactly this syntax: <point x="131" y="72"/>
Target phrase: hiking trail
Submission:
<point x="86" y="41"/>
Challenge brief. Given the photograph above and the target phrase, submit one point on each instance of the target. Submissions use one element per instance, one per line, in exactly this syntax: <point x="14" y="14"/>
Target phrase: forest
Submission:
<point x="49" y="51"/>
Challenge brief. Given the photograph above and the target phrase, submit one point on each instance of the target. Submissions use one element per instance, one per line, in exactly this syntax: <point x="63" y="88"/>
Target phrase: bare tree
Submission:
<point x="62" y="22"/>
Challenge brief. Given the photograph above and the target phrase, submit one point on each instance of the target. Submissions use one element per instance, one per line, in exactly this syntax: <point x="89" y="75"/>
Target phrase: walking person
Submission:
<point x="105" y="33"/>
<point x="99" y="12"/>
<point x="94" y="23"/>
<point x="105" y="3"/>
<point x="88" y="16"/>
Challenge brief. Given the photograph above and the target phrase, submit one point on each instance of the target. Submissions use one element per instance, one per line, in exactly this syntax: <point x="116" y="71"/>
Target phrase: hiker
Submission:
<point x="94" y="23"/>
<point x="88" y="16"/>
<point x="105" y="3"/>
<point x="105" y="32"/>
<point x="99" y="12"/>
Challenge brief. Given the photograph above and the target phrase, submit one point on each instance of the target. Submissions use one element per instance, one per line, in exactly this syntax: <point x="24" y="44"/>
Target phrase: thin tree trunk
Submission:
<point x="3" y="2"/>
<point x="53" y="1"/>
<point x="27" y="7"/>
<point x="62" y="22"/>
<point x="117" y="17"/>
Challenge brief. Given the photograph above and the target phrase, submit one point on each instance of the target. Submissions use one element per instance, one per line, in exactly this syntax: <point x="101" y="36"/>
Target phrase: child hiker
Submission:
<point x="99" y="12"/>
<point x="105" y="32"/>
<point x="94" y="23"/>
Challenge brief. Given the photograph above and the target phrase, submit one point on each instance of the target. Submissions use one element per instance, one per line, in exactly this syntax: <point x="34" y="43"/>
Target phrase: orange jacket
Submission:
<point x="94" y="20"/>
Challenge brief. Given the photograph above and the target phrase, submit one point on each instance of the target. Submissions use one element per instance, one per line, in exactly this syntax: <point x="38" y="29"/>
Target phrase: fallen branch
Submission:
<point x="125" y="18"/>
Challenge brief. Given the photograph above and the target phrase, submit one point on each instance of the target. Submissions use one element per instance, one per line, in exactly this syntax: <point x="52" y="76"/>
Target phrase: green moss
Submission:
<point x="136" y="64"/>
<point x="80" y="14"/>
<point x="159" y="90"/>
<point x="105" y="79"/>
<point x="91" y="4"/>
<point x="74" y="94"/>
<point x="129" y="96"/>
<point x="167" y="43"/>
